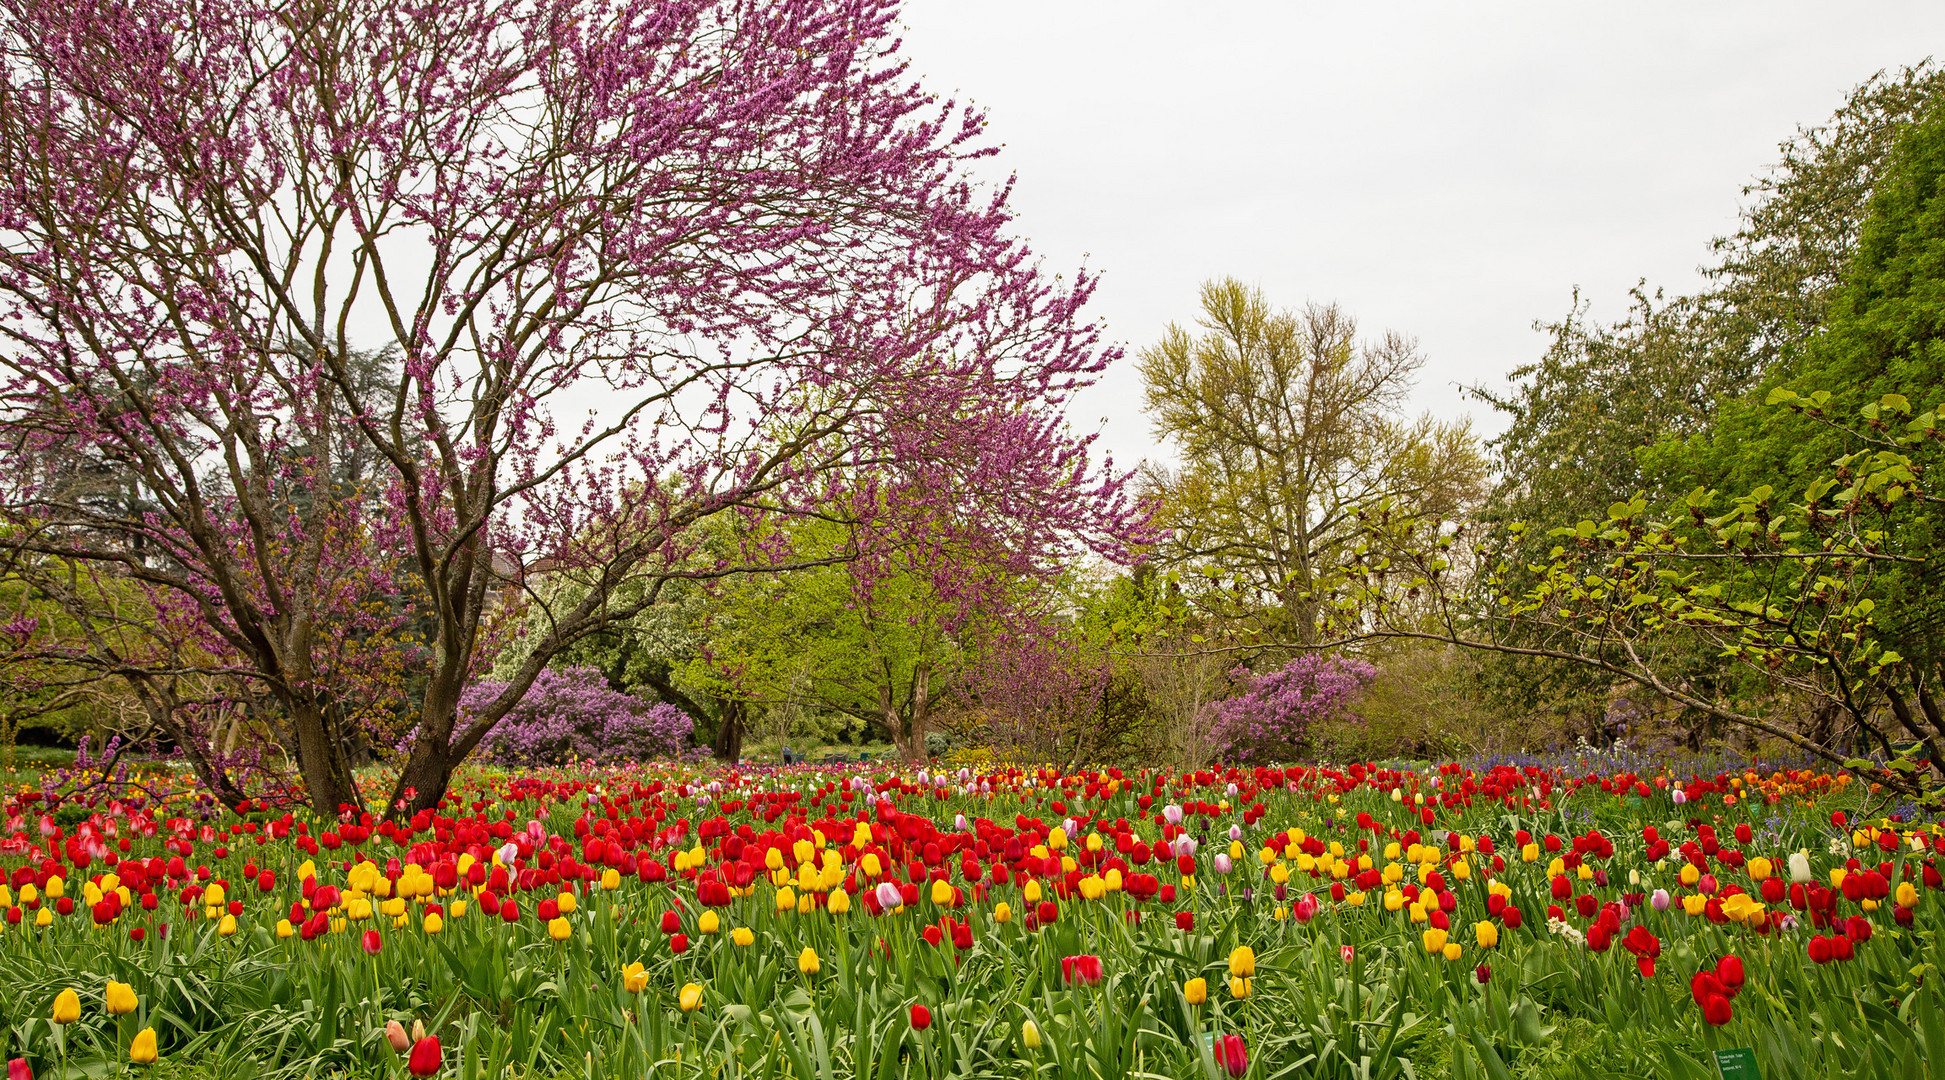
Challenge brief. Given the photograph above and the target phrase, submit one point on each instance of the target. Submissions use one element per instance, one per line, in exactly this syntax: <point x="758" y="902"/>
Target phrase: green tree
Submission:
<point x="1286" y="426"/>
<point x="1815" y="580"/>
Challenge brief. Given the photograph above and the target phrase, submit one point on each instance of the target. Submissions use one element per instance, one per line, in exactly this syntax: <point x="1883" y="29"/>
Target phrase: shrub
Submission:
<point x="573" y="715"/>
<point x="1273" y="715"/>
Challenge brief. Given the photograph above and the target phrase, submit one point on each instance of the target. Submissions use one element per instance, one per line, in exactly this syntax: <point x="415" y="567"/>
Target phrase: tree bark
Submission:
<point x="728" y="744"/>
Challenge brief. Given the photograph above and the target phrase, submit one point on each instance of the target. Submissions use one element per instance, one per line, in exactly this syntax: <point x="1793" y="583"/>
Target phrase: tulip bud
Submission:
<point x="395" y="1035"/>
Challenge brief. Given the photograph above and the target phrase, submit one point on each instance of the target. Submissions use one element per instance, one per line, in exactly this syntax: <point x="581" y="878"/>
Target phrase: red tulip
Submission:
<point x="1483" y="973"/>
<point x="1082" y="970"/>
<point x="679" y="944"/>
<point x="1819" y="949"/>
<point x="18" y="1069"/>
<point x="671" y="922"/>
<point x="1716" y="1010"/>
<point x="1729" y="971"/>
<point x="1232" y="1055"/>
<point x="425" y="1057"/>
<point x="921" y="1018"/>
<point x="373" y="942"/>
<point x="1048" y="913"/>
<point x="1185" y="920"/>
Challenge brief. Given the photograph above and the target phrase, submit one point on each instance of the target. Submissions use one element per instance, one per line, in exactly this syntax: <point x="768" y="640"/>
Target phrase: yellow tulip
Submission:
<point x="1002" y="912"/>
<point x="285" y="929"/>
<point x="869" y="864"/>
<point x="634" y="978"/>
<point x="691" y="997"/>
<point x="709" y="923"/>
<point x="1242" y="962"/>
<point x="1759" y="868"/>
<point x="1487" y="934"/>
<point x="434" y="922"/>
<point x="1239" y="988"/>
<point x="610" y="879"/>
<point x="559" y="929"/>
<point x="807" y="961"/>
<point x="142" y="1050"/>
<point x="1196" y="991"/>
<point x="67" y="1007"/>
<point x="57" y="888"/>
<point x="227" y="927"/>
<point x="1452" y="950"/>
<point x="1030" y="1034"/>
<point x="743" y="935"/>
<point x="1031" y="894"/>
<point x="941" y="893"/>
<point x="786" y="898"/>
<point x="1434" y="939"/>
<point x="1907" y="895"/>
<point x="566" y="902"/>
<point x="44" y="918"/>
<point x="121" y="998"/>
<point x="839" y="903"/>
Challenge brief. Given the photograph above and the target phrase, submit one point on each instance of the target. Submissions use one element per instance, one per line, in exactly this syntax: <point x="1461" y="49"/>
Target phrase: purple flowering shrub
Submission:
<point x="1270" y="719"/>
<point x="572" y="715"/>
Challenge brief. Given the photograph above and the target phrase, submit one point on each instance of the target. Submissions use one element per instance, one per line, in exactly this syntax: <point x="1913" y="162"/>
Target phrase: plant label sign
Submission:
<point x="1739" y="1064"/>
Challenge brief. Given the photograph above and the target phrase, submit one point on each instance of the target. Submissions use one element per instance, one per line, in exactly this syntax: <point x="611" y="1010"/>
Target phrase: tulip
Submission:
<point x="121" y="998"/>
<point x="1030" y="1034"/>
<point x="1084" y="970"/>
<point x="634" y="978"/>
<point x="1242" y="962"/>
<point x="1305" y="908"/>
<point x="373" y="943"/>
<point x="1002" y="912"/>
<point x="1482" y="973"/>
<point x="1232" y="1055"/>
<point x="678" y="944"/>
<point x="1239" y="988"/>
<point x="142" y="1050"/>
<point x="1800" y="868"/>
<point x="807" y="961"/>
<point x="921" y="1018"/>
<point x="1717" y="1011"/>
<point x="1487" y="934"/>
<point x="396" y="1036"/>
<point x="690" y="999"/>
<point x="426" y="1057"/>
<point x="1196" y="991"/>
<point x="18" y="1069"/>
<point x="559" y="929"/>
<point x="67" y="1007"/>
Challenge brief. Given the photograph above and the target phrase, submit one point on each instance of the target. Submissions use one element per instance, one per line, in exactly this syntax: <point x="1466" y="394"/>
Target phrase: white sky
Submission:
<point x="1450" y="171"/>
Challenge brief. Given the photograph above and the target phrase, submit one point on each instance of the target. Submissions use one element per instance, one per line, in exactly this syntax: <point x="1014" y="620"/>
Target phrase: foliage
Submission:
<point x="1273" y="715"/>
<point x="1286" y="426"/>
<point x="571" y="714"/>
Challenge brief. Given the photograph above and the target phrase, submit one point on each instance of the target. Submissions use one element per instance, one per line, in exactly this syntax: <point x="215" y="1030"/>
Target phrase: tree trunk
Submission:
<point x="424" y="780"/>
<point x="728" y="744"/>
<point x="322" y="761"/>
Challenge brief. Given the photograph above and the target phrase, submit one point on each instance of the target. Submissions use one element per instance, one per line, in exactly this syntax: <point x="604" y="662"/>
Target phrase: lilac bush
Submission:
<point x="571" y="714"/>
<point x="1276" y="709"/>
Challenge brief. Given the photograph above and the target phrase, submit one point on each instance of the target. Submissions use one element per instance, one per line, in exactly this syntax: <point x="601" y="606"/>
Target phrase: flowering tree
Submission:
<point x="571" y="714"/>
<point x="1276" y="710"/>
<point x="636" y="264"/>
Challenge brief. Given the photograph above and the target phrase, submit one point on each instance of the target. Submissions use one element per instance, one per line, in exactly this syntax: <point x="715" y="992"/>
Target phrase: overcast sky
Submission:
<point x="1450" y="171"/>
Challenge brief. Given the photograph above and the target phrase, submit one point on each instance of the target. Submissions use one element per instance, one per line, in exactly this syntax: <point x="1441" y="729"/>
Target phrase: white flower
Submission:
<point x="1800" y="867"/>
<point x="889" y="897"/>
<point x="1172" y="814"/>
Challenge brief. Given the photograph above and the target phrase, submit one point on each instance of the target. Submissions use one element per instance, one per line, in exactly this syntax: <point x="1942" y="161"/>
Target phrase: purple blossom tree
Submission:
<point x="1276" y="710"/>
<point x="635" y="264"/>
<point x="571" y="714"/>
